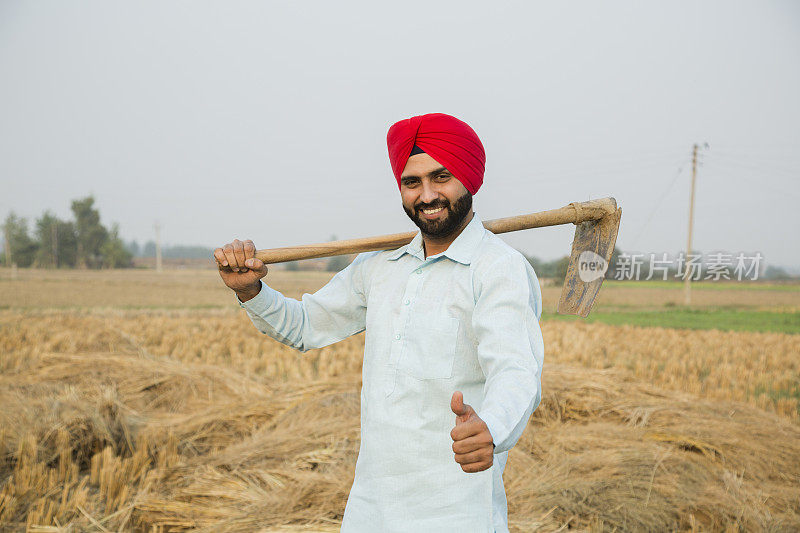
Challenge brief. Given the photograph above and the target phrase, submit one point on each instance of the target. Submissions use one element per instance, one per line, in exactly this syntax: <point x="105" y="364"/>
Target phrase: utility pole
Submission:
<point x="158" y="247"/>
<point x="687" y="283"/>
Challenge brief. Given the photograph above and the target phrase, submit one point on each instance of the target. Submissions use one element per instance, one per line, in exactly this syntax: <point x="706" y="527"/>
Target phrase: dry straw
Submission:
<point x="191" y="421"/>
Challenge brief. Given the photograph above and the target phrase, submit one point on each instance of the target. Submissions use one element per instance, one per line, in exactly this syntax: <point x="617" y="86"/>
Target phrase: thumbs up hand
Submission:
<point x="472" y="443"/>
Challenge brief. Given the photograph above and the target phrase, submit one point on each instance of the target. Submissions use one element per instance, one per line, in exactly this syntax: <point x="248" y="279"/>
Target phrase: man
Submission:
<point x="452" y="328"/>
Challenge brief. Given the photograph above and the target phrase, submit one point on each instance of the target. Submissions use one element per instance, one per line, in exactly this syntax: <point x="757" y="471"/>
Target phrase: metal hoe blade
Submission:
<point x="591" y="254"/>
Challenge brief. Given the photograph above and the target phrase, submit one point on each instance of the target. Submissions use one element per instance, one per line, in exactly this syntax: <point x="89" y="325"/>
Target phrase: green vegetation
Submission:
<point x="83" y="242"/>
<point x="722" y="319"/>
<point x="776" y="394"/>
<point x="170" y="252"/>
<point x="745" y="285"/>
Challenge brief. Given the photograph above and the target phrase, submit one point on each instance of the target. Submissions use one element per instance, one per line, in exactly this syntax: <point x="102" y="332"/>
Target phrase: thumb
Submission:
<point x="257" y="266"/>
<point x="457" y="404"/>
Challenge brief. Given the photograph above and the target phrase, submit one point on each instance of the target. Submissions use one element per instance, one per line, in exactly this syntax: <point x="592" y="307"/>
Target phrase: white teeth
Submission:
<point x="432" y="211"/>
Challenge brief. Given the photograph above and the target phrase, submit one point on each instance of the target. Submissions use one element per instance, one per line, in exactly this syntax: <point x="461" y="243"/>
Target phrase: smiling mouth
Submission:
<point x="431" y="211"/>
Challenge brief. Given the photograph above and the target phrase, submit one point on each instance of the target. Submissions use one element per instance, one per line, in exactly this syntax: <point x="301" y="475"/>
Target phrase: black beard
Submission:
<point x="443" y="227"/>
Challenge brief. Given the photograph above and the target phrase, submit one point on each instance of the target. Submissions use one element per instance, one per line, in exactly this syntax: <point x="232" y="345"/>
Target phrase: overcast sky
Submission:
<point x="268" y="120"/>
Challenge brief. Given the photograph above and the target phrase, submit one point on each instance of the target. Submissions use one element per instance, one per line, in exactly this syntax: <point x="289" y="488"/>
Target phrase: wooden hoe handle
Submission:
<point x="573" y="213"/>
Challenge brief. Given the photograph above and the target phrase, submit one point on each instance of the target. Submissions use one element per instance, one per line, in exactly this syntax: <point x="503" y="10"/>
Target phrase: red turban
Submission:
<point x="451" y="142"/>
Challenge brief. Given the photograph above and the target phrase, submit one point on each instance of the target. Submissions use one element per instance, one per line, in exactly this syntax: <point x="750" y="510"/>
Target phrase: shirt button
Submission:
<point x="397" y="337"/>
<point x="407" y="302"/>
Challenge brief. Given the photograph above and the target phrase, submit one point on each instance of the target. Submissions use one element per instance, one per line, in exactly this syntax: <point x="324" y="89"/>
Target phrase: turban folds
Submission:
<point x="450" y="141"/>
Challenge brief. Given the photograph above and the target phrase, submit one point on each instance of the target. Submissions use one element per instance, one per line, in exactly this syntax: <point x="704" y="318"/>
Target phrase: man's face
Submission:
<point x="432" y="197"/>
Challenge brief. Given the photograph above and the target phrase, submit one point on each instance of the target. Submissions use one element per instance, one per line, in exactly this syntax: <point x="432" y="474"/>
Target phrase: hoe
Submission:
<point x="596" y="226"/>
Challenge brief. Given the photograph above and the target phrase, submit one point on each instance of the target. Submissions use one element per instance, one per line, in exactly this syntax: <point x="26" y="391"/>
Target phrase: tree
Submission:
<point x="113" y="251"/>
<point x="186" y="252"/>
<point x="560" y="269"/>
<point x="47" y="235"/>
<point x="133" y="248"/>
<point x="550" y="269"/>
<point x="149" y="249"/>
<point x="612" y="263"/>
<point x="21" y="246"/>
<point x="776" y="272"/>
<point x="90" y="233"/>
<point x="85" y="243"/>
<point x="57" y="242"/>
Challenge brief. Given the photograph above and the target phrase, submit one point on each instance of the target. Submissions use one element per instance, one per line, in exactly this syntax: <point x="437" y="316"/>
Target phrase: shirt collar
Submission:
<point x="461" y="249"/>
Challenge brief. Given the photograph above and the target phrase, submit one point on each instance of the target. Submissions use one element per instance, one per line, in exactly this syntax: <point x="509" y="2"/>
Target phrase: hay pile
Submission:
<point x="120" y="439"/>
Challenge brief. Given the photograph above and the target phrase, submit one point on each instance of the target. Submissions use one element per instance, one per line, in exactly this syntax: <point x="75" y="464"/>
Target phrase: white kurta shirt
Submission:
<point x="465" y="319"/>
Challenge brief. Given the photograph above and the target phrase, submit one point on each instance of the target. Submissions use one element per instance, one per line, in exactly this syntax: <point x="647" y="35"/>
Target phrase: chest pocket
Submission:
<point x="429" y="349"/>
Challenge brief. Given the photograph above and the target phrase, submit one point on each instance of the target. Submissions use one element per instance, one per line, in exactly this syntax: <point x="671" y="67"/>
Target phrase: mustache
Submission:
<point x="434" y="205"/>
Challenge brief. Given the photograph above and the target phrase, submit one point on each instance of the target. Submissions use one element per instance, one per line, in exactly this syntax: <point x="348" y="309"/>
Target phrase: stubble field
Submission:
<point x="145" y="401"/>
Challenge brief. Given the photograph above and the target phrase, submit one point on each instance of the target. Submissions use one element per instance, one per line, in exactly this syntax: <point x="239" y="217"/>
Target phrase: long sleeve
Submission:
<point x="334" y="312"/>
<point x="510" y="347"/>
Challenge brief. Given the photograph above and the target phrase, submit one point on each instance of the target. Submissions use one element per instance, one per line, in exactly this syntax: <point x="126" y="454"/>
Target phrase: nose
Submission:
<point x="428" y="193"/>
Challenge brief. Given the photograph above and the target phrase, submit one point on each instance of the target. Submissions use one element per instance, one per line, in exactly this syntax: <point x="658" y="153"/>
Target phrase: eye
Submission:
<point x="442" y="177"/>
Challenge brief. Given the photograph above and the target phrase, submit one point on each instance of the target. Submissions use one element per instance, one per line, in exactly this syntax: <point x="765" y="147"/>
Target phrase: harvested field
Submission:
<point x="197" y="289"/>
<point x="175" y="419"/>
<point x="761" y="369"/>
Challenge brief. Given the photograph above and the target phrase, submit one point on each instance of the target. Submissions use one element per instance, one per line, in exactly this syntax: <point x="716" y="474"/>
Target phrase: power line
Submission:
<point x="659" y="201"/>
